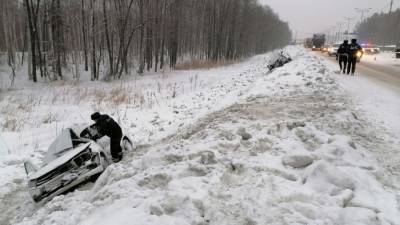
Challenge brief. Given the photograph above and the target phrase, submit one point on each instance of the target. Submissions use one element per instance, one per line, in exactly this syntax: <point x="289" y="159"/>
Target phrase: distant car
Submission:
<point x="325" y="48"/>
<point x="398" y="52"/>
<point x="332" y="50"/>
<point x="369" y="49"/>
<point x="359" y="55"/>
<point x="318" y="42"/>
<point x="70" y="161"/>
<point x="308" y="43"/>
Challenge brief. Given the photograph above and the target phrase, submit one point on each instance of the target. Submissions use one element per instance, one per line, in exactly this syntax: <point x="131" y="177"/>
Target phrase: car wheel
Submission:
<point x="127" y="144"/>
<point x="36" y="199"/>
<point x="94" y="178"/>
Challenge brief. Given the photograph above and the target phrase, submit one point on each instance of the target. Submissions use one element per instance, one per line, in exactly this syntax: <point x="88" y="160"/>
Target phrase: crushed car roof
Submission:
<point x="59" y="146"/>
<point x="58" y="162"/>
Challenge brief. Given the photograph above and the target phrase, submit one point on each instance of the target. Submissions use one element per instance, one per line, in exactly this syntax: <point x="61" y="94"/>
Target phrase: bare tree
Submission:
<point x="113" y="36"/>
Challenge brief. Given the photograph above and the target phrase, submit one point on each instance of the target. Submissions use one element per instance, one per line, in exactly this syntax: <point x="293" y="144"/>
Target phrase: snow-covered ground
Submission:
<point x="383" y="58"/>
<point x="233" y="145"/>
<point x="378" y="101"/>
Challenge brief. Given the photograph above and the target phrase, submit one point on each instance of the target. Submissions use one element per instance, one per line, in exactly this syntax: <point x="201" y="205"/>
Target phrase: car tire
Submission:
<point x="94" y="178"/>
<point x="36" y="200"/>
<point x="127" y="145"/>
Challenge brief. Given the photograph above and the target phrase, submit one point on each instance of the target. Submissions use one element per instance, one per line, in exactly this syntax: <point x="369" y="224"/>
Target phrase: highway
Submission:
<point x="387" y="74"/>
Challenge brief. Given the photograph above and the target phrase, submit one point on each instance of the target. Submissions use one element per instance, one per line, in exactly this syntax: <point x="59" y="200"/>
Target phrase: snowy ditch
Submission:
<point x="256" y="148"/>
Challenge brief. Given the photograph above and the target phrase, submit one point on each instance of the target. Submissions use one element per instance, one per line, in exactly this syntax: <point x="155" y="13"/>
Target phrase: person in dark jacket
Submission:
<point x="343" y="55"/>
<point x="108" y="127"/>
<point x="354" y="48"/>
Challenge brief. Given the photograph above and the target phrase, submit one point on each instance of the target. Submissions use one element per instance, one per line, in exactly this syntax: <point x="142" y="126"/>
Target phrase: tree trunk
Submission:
<point x="32" y="36"/>
<point x="108" y="42"/>
<point x="84" y="34"/>
<point x="93" y="34"/>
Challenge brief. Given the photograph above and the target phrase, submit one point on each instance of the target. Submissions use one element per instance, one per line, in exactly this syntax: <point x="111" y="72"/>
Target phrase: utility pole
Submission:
<point x="391" y="6"/>
<point x="333" y="34"/>
<point x="363" y="11"/>
<point x="348" y="26"/>
<point x="339" y="35"/>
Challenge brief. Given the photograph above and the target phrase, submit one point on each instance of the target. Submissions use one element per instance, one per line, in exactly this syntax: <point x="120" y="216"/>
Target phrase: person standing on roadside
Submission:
<point x="343" y="55"/>
<point x="107" y="126"/>
<point x="354" y="49"/>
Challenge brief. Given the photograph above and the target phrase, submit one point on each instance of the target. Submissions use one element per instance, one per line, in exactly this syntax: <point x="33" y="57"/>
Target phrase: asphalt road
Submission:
<point x="387" y="75"/>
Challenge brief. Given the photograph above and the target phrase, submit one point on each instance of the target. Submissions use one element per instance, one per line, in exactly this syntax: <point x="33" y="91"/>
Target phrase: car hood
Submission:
<point x="59" y="161"/>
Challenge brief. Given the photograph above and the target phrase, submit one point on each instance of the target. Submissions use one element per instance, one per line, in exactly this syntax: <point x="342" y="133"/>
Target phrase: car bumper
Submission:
<point x="62" y="189"/>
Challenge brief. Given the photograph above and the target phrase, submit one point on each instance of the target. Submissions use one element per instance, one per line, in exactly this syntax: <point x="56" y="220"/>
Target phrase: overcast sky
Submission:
<point x="312" y="16"/>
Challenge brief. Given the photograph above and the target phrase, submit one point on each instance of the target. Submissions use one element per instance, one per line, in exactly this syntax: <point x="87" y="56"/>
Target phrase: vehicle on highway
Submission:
<point x="332" y="50"/>
<point x="70" y="161"/>
<point x="398" y="51"/>
<point x="370" y="49"/>
<point x="308" y="43"/>
<point x="318" y="42"/>
<point x="359" y="55"/>
<point x="325" y="48"/>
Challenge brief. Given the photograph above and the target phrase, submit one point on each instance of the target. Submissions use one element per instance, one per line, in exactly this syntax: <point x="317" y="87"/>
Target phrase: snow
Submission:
<point x="380" y="102"/>
<point x="242" y="146"/>
<point x="383" y="58"/>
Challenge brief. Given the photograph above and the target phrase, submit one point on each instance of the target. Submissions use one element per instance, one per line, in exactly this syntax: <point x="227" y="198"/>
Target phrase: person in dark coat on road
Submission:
<point x="343" y="55"/>
<point x="354" y="48"/>
<point x="108" y="127"/>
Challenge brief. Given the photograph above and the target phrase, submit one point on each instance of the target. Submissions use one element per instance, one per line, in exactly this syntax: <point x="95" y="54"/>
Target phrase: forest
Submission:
<point x="116" y="38"/>
<point x="381" y="28"/>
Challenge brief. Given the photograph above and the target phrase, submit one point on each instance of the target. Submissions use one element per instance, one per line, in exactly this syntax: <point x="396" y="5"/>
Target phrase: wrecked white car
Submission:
<point x="71" y="160"/>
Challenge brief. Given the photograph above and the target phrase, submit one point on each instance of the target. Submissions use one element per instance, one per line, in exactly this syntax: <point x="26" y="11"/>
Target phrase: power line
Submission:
<point x="362" y="11"/>
<point x="348" y="19"/>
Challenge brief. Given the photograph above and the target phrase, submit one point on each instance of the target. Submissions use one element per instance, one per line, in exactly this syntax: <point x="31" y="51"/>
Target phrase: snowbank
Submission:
<point x="249" y="147"/>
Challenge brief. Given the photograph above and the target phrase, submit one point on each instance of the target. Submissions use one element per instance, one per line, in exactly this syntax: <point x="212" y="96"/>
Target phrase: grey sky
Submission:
<point x="311" y="16"/>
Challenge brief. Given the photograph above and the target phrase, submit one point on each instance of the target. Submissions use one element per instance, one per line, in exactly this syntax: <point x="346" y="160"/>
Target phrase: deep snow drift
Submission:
<point x="241" y="146"/>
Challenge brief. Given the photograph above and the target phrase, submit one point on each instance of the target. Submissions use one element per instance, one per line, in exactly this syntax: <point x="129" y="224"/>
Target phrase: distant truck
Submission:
<point x="398" y="51"/>
<point x="318" y="42"/>
<point x="308" y="43"/>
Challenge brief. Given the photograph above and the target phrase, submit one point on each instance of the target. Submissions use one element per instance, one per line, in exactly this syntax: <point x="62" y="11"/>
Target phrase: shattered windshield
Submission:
<point x="61" y="145"/>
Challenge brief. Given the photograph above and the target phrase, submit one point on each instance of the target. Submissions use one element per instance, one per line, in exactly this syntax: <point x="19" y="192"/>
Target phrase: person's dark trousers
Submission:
<point x="351" y="65"/>
<point x="115" y="145"/>
<point x="343" y="63"/>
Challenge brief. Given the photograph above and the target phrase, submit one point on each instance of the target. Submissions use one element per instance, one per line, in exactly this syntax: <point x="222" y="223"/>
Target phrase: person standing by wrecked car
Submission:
<point x="354" y="49"/>
<point x="108" y="127"/>
<point x="343" y="55"/>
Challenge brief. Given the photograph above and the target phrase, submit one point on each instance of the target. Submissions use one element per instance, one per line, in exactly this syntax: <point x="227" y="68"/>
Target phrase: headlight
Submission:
<point x="82" y="158"/>
<point x="359" y="54"/>
<point x="68" y="178"/>
<point x="93" y="163"/>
